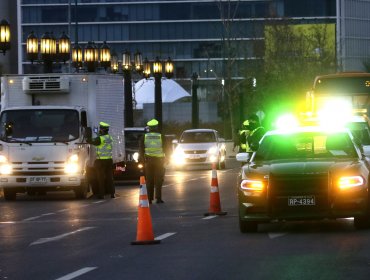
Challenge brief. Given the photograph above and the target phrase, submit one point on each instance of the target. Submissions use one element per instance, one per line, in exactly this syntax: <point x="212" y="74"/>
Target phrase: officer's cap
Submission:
<point x="152" y="122"/>
<point x="246" y="122"/>
<point x="103" y="125"/>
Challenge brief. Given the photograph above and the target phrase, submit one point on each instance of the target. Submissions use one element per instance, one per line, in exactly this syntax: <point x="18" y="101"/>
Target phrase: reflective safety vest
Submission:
<point x="153" y="144"/>
<point x="244" y="145"/>
<point x="104" y="150"/>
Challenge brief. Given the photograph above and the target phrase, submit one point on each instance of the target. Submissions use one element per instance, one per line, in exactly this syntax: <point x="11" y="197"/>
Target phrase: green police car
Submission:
<point x="304" y="173"/>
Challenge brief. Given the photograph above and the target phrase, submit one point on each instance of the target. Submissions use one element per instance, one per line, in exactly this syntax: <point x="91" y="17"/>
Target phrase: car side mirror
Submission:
<point x="175" y="141"/>
<point x="243" y="157"/>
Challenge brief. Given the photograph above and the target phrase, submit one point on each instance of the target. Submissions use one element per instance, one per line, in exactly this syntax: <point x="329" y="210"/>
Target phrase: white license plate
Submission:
<point x="301" y="200"/>
<point x="195" y="156"/>
<point x="38" y="180"/>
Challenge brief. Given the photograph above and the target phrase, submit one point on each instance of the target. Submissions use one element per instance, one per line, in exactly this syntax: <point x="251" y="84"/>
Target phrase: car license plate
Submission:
<point x="194" y="156"/>
<point x="301" y="200"/>
<point x="38" y="180"/>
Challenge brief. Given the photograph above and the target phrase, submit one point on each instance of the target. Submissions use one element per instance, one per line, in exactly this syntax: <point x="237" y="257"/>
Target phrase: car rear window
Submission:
<point x="306" y="145"/>
<point x="197" y="137"/>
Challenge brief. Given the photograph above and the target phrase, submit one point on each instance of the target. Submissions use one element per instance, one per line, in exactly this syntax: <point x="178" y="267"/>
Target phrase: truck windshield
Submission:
<point x="39" y="125"/>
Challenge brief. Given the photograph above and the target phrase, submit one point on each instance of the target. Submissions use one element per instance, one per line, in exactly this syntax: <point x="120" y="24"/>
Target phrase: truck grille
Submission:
<point x="282" y="188"/>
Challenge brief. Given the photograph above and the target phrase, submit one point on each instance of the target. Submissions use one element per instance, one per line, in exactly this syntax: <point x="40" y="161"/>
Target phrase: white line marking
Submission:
<point x="209" y="217"/>
<point x="62" y="210"/>
<point x="76" y="273"/>
<point x="276" y="234"/>
<point x="100" y="201"/>
<point x="58" y="237"/>
<point x="47" y="214"/>
<point x="163" y="236"/>
<point x="31" y="218"/>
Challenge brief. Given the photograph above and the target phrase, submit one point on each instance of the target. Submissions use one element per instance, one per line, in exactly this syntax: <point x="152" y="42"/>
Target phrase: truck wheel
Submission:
<point x="10" y="194"/>
<point x="82" y="190"/>
<point x="250" y="226"/>
<point x="362" y="222"/>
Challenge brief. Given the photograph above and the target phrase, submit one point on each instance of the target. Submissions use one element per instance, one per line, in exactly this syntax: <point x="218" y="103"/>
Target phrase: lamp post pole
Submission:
<point x="157" y="71"/>
<point x="126" y="67"/>
<point x="194" y="101"/>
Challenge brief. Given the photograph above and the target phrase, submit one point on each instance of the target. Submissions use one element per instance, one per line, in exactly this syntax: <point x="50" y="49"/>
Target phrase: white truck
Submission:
<point x="44" y="122"/>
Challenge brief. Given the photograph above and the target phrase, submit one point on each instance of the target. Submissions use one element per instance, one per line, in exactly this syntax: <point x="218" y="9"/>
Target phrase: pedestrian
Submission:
<point x="153" y="156"/>
<point x="103" y="164"/>
<point x="256" y="132"/>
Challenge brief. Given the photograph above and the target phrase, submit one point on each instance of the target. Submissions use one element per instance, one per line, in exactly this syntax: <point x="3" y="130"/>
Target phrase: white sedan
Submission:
<point x="199" y="147"/>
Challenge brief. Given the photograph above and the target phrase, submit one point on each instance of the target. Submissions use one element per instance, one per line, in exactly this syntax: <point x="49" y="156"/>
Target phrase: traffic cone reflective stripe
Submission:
<point x="214" y="199"/>
<point x="145" y="235"/>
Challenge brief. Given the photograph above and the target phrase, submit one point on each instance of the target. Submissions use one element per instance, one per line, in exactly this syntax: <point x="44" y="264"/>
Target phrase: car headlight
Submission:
<point x="5" y="167"/>
<point x="348" y="182"/>
<point x="178" y="156"/>
<point x="212" y="150"/>
<point x="72" y="166"/>
<point x="252" y="185"/>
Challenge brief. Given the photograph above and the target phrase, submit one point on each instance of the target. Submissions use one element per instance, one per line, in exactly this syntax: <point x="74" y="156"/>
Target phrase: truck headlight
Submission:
<point x="212" y="150"/>
<point x="72" y="166"/>
<point x="135" y="156"/>
<point x="348" y="182"/>
<point x="5" y="167"/>
<point x="178" y="156"/>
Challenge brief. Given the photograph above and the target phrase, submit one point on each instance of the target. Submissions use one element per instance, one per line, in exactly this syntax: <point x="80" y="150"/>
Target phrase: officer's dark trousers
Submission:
<point x="154" y="176"/>
<point x="104" y="173"/>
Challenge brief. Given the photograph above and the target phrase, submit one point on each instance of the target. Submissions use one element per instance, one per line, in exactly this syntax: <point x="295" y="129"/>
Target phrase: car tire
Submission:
<point x="10" y="194"/>
<point x="361" y="222"/>
<point x="248" y="226"/>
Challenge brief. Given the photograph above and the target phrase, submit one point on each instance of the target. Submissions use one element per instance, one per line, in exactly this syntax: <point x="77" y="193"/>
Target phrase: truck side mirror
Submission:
<point x="83" y="119"/>
<point x="87" y="133"/>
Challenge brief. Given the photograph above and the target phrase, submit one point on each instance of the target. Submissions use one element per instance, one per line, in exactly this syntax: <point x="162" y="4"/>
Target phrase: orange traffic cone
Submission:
<point x="145" y="235"/>
<point x="214" y="201"/>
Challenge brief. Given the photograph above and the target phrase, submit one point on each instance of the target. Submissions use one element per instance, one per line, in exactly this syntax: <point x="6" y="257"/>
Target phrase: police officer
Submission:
<point x="152" y="154"/>
<point x="243" y="135"/>
<point x="104" y="163"/>
<point x="256" y="131"/>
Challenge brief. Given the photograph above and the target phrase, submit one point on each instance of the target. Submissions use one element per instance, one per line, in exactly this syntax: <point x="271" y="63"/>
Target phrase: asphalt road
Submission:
<point x="58" y="237"/>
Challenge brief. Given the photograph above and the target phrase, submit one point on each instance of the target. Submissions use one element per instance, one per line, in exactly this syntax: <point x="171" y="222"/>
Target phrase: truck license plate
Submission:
<point x="301" y="200"/>
<point x="38" y="180"/>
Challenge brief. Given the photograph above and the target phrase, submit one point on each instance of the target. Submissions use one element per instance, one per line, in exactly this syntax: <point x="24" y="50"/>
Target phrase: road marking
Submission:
<point x="209" y="217"/>
<point x="163" y="236"/>
<point x="37" y="217"/>
<point x="58" y="237"/>
<point x="276" y="234"/>
<point x="76" y="273"/>
<point x="99" y="201"/>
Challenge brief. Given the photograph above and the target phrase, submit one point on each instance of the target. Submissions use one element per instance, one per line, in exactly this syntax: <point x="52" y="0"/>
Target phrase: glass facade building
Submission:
<point x="192" y="33"/>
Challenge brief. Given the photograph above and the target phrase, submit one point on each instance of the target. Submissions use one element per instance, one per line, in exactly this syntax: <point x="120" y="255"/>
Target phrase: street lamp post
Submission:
<point x="50" y="49"/>
<point x="127" y="68"/>
<point x="4" y="36"/>
<point x="194" y="101"/>
<point x="157" y="72"/>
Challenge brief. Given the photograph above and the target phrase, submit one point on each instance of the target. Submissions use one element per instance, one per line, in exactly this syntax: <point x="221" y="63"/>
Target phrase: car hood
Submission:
<point x="306" y="167"/>
<point x="197" y="146"/>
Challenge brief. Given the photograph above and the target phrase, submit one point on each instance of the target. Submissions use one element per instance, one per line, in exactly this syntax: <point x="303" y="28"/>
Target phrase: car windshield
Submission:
<point x="360" y="131"/>
<point x="39" y="125"/>
<point x="306" y="145"/>
<point x="197" y="137"/>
